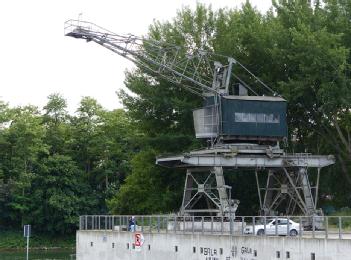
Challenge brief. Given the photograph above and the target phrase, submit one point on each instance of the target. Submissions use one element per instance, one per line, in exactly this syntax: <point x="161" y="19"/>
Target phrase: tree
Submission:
<point x="24" y="146"/>
<point x="4" y="148"/>
<point x="313" y="44"/>
<point x="66" y="196"/>
<point x="87" y="142"/>
<point x="147" y="190"/>
<point x="55" y="119"/>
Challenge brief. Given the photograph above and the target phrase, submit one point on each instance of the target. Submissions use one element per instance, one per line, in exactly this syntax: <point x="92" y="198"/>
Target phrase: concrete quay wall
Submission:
<point x="108" y="245"/>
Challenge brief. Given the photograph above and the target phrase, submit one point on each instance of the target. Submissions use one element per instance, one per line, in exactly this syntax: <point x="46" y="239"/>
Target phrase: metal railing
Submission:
<point x="330" y="227"/>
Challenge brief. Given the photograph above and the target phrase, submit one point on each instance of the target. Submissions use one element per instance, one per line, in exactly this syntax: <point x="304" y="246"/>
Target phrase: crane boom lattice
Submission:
<point x="194" y="69"/>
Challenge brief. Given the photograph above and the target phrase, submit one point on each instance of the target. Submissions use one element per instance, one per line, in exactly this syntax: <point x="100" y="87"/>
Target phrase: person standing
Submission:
<point x="132" y="224"/>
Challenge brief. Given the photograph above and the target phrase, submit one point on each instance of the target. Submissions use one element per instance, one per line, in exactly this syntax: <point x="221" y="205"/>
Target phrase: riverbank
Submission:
<point x="14" y="240"/>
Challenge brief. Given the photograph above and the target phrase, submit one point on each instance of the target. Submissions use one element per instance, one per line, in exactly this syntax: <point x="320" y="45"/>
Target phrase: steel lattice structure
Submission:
<point x="189" y="68"/>
<point x="202" y="73"/>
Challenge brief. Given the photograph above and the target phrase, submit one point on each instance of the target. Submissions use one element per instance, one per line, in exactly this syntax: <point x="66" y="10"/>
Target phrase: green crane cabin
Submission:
<point x="243" y="118"/>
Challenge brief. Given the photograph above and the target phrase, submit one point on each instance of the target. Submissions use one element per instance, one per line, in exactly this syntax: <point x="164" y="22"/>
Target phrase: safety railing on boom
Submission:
<point x="325" y="227"/>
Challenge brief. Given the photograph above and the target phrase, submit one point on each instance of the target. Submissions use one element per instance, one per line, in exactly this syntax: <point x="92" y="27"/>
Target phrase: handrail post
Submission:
<point x="202" y="224"/>
<point x="86" y="222"/>
<point x="230" y="223"/>
<point x="150" y="224"/>
<point x="242" y="225"/>
<point x="265" y="226"/>
<point x="142" y="223"/>
<point x="184" y="223"/>
<point x="300" y="226"/>
<point x="326" y="226"/>
<point x="211" y="224"/>
<point x="167" y="224"/>
<point x="313" y="227"/>
<point x="340" y="223"/>
<point x="120" y="223"/>
<point x="193" y="220"/>
<point x="158" y="224"/>
<point x="288" y="226"/>
<point x="276" y="226"/>
<point x="222" y="225"/>
<point x="253" y="226"/>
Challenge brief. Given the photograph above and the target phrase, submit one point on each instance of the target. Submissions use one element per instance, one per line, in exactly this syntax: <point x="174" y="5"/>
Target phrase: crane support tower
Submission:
<point x="242" y="122"/>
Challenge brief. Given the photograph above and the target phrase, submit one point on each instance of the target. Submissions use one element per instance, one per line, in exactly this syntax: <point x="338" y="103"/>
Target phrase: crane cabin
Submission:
<point x="242" y="118"/>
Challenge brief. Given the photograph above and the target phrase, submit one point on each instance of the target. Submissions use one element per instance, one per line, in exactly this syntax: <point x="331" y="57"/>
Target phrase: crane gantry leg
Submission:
<point x="205" y="192"/>
<point x="285" y="190"/>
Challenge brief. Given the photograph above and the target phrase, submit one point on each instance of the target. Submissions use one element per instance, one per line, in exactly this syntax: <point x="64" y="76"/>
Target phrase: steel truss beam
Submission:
<point x="207" y="185"/>
<point x="245" y="161"/>
<point x="287" y="188"/>
<point x="290" y="186"/>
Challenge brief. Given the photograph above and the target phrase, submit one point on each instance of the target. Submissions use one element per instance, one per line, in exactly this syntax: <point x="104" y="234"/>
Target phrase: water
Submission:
<point x="38" y="255"/>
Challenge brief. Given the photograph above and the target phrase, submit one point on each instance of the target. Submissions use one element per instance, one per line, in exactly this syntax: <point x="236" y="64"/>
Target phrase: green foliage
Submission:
<point x="148" y="189"/>
<point x="65" y="197"/>
<point x="55" y="166"/>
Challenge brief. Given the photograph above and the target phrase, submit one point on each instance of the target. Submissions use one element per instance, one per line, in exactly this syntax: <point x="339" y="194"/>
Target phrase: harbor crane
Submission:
<point x="244" y="124"/>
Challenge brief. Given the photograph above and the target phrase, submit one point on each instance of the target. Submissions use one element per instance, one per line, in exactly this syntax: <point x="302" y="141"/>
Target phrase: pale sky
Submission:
<point x="37" y="60"/>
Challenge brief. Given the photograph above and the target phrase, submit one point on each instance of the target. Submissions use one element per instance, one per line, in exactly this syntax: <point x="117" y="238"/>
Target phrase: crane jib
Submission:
<point x="193" y="70"/>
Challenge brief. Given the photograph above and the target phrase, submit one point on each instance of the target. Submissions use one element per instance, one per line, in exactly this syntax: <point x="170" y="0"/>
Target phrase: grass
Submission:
<point x="14" y="240"/>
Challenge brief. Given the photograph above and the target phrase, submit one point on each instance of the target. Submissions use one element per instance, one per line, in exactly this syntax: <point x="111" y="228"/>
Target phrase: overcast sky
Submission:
<point x="37" y="60"/>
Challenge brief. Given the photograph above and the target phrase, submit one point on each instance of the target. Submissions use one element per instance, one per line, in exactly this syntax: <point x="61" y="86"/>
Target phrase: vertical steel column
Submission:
<point x="306" y="188"/>
<point x="268" y="195"/>
<point x="258" y="189"/>
<point x="222" y="192"/>
<point x="317" y="188"/>
<point x="187" y="190"/>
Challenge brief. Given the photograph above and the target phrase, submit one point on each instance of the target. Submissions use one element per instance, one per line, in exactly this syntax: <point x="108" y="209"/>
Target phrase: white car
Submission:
<point x="277" y="226"/>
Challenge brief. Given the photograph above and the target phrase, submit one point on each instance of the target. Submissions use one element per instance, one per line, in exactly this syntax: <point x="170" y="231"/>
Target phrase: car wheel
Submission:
<point x="293" y="233"/>
<point x="260" y="232"/>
